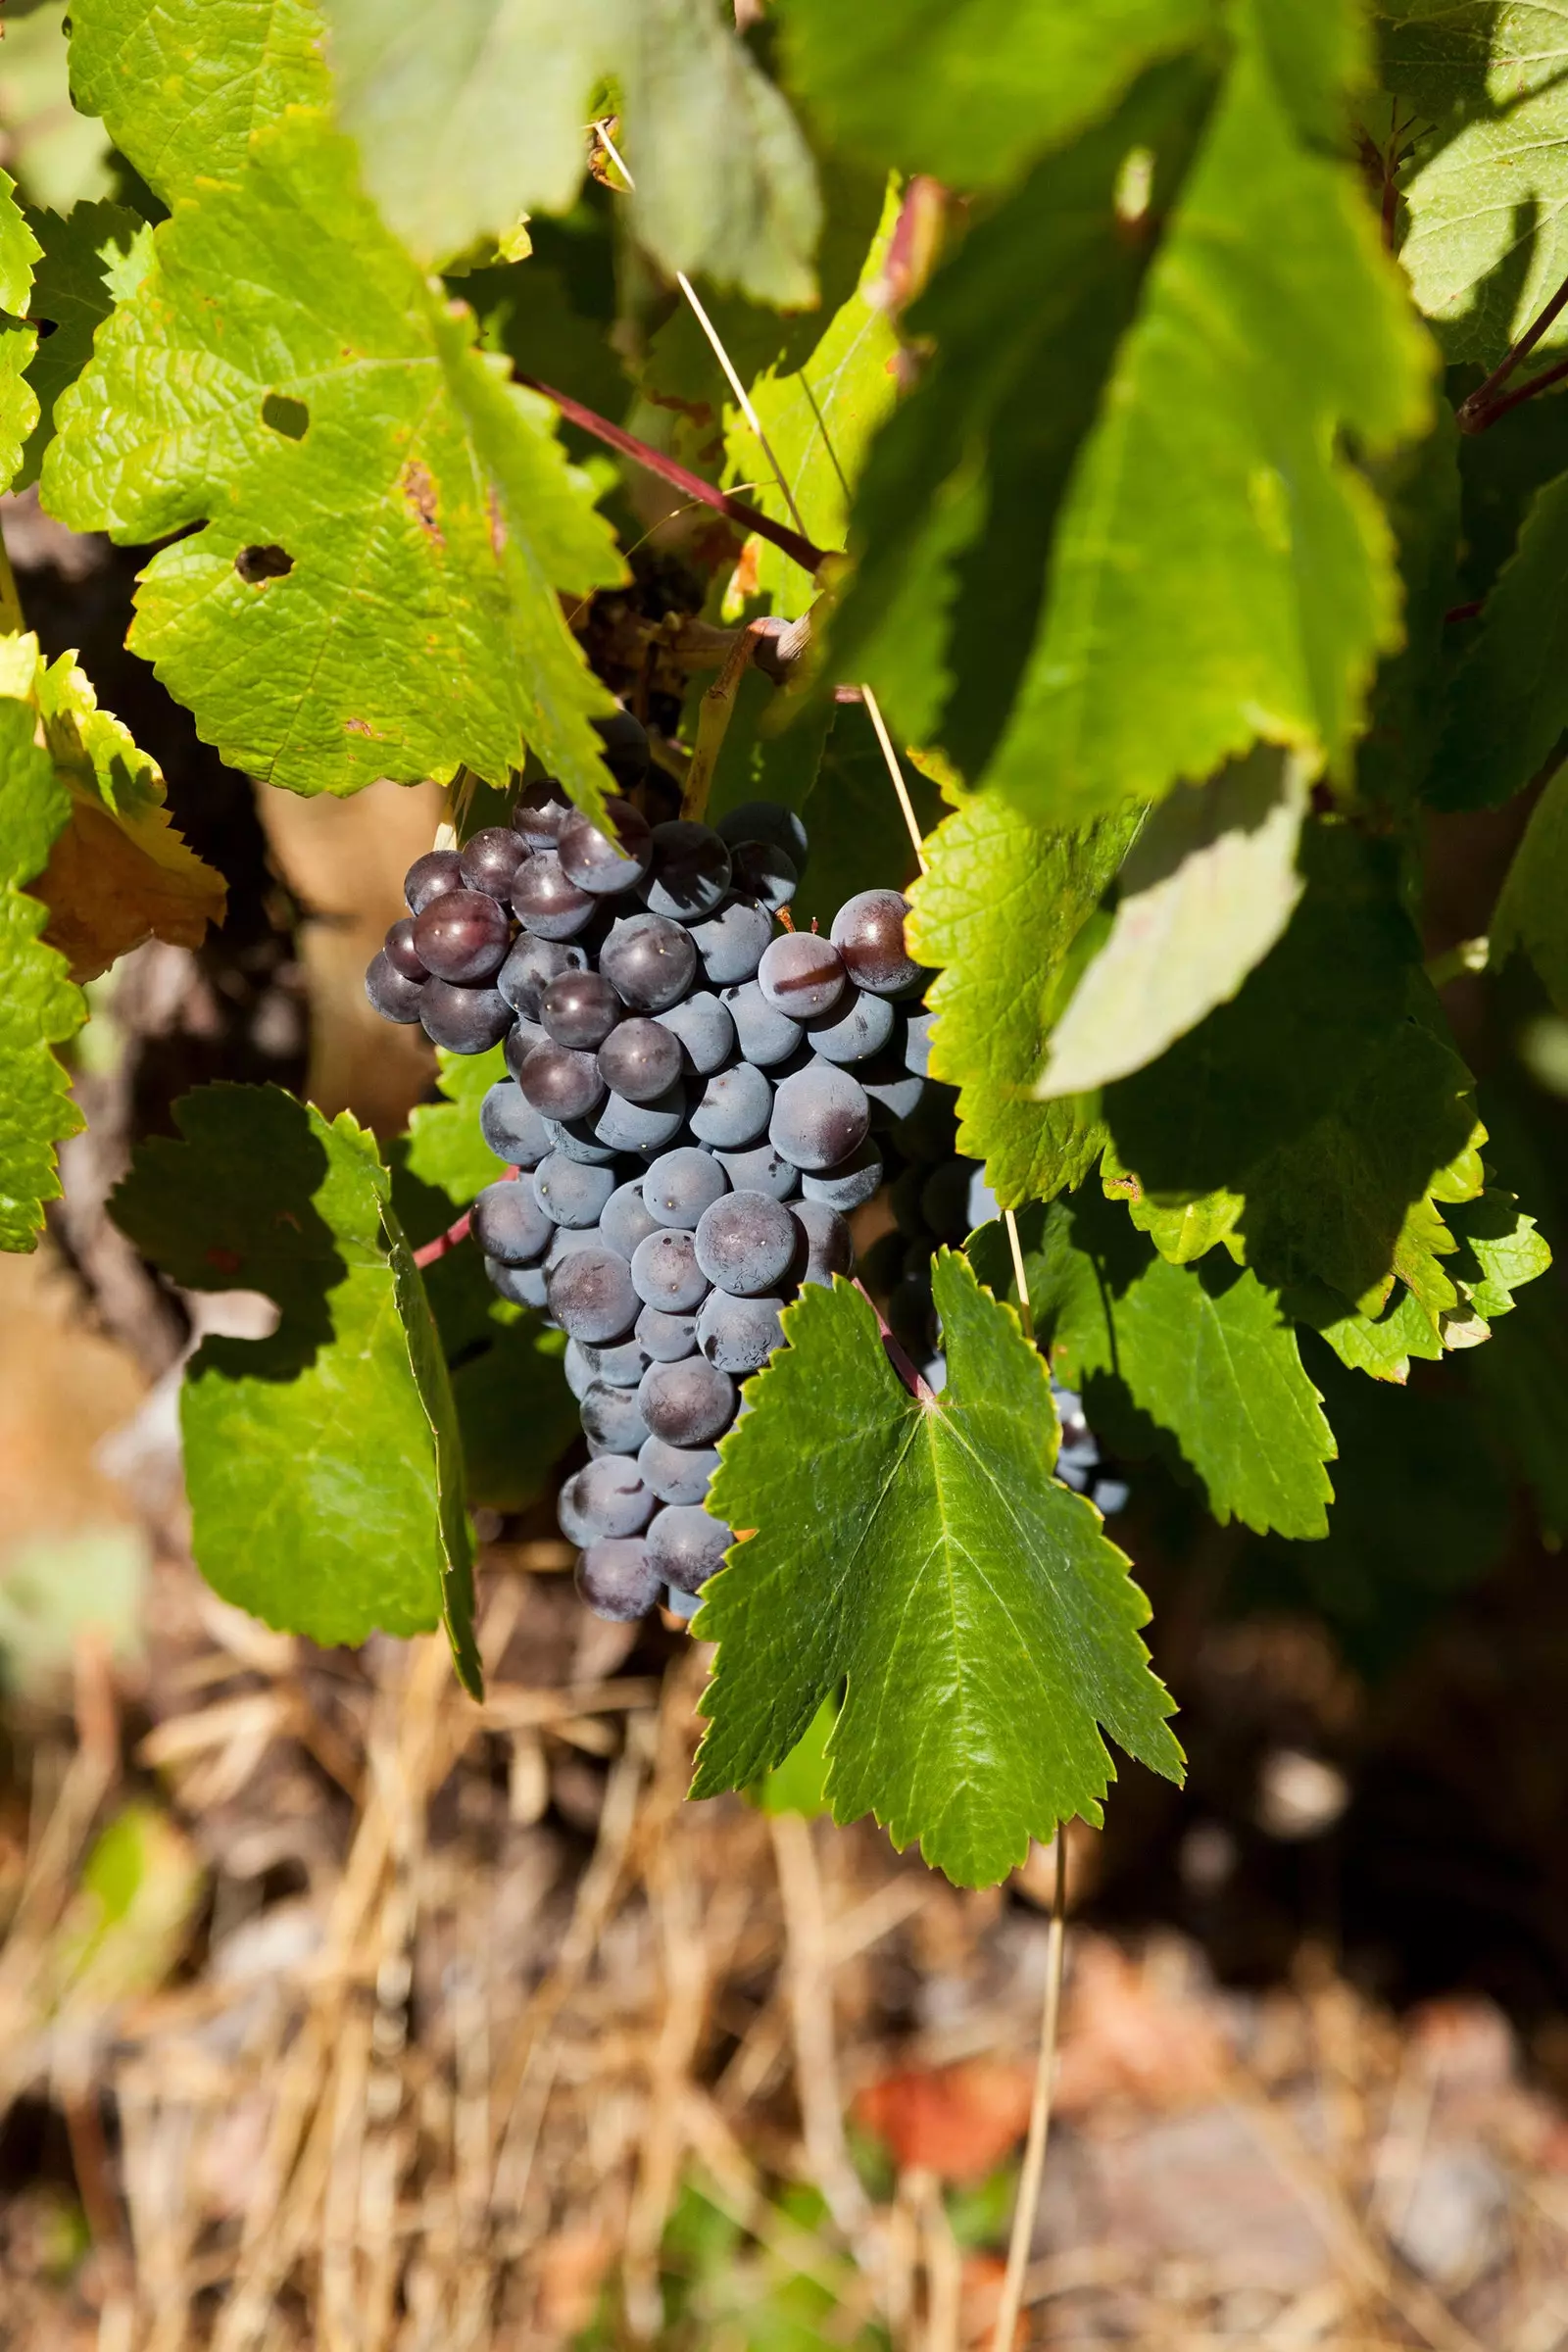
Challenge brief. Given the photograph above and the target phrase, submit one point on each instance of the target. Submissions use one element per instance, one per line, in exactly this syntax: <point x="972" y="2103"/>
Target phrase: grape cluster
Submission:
<point x="694" y="1109"/>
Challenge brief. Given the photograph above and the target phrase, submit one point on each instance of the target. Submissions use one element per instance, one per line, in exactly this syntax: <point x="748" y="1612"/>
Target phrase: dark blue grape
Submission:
<point x="982" y="1207"/>
<point x="676" y="1473"/>
<point x="642" y="1127"/>
<point x="820" y="1116"/>
<point x="401" y="952"/>
<point x="580" y="1010"/>
<point x="763" y="1035"/>
<point x="916" y="1041"/>
<point x="760" y="870"/>
<point x="612" y="1418"/>
<point x="591" y="1296"/>
<point x="681" y="1604"/>
<point x="571" y="1519"/>
<point x="463" y="935"/>
<point x="826" y="1245"/>
<point x="626" y="1220"/>
<point x="466" y="1020"/>
<point x="622" y="1362"/>
<point x="490" y="859"/>
<point x="617" y="1581"/>
<point x="767" y="821"/>
<point x="547" y="901"/>
<point x="541" y="811"/>
<point x="567" y="1238"/>
<point x="682" y="1184"/>
<point x="520" y="1040"/>
<point x="641" y="1060"/>
<point x="733" y="1108"/>
<point x="605" y="862"/>
<point x="575" y="1364"/>
<point x="511" y="1127"/>
<point x="625" y="749"/>
<point x="649" y="961"/>
<point x="510" y="1221"/>
<point x="392" y="994"/>
<point x="432" y="877"/>
<point x="869" y="933"/>
<point x="739" y="1335"/>
<point x="701" y="1027"/>
<point x="731" y="943"/>
<point x="801" y="975"/>
<point x="746" y="1243"/>
<point x="851" y="1184"/>
<point x="667" y="1338"/>
<point x="854" y="1030"/>
<point x="573" y="1192"/>
<point x="758" y="1169"/>
<point x="562" y="1084"/>
<point x="911" y="1318"/>
<point x="896" y="1095"/>
<point x="575" y="1138"/>
<point x="685" y="1546"/>
<point x="945" y="1200"/>
<point x="519" y="1285"/>
<point x="531" y="966"/>
<point x="665" y="1274"/>
<point x="687" y="1404"/>
<point x="689" y="877"/>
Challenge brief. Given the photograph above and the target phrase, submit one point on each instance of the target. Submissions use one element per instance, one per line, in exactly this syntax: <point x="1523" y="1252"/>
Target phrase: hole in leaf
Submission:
<point x="287" y="416"/>
<point x="44" y="329"/>
<point x="257" y="564"/>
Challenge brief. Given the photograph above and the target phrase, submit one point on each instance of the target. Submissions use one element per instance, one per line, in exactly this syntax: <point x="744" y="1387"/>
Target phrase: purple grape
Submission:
<point x="649" y="961"/>
<point x="570" y="1193"/>
<point x="896" y="1095"/>
<point x="665" y="1274"/>
<point x="642" y="1127"/>
<point x="869" y="933"/>
<point x="760" y="870"/>
<point x="768" y="822"/>
<point x="511" y="1127"/>
<point x="401" y="952"/>
<point x="676" y="1473"/>
<point x="746" y="1243"/>
<point x="625" y="751"/>
<point x="681" y="1604"/>
<point x="689" y="877"/>
<point x="851" y="1184"/>
<point x="731" y="943"/>
<point x="825" y="1245"/>
<point x="463" y="935"/>
<point x="944" y="1201"/>
<point x="854" y="1030"/>
<point x="565" y="1239"/>
<point x="626" y="1221"/>
<point x="519" y="1042"/>
<point x="621" y="1362"/>
<point x="510" y="1223"/>
<point x="820" y="1116"/>
<point x="739" y="1335"/>
<point x="580" y="1009"/>
<point x="801" y="975"/>
<point x="612" y="1418"/>
<point x="519" y="1285"/>
<point x="561" y="1084"/>
<point x="530" y="968"/>
<point x="616" y="1580"/>
<point x="574" y="1365"/>
<point x="666" y="1338"/>
<point x="640" y="1059"/>
<point x="605" y="863"/>
<point x="466" y="1020"/>
<point x="760" y="1169"/>
<point x="910" y="1315"/>
<point x="685" y="1546"/>
<point x="916" y="1041"/>
<point x="546" y="901"/>
<point x="429" y="876"/>
<point x="490" y="861"/>
<point x="575" y="1138"/>
<point x="688" y="1402"/>
<point x="591" y="1296"/>
<point x="541" y="811"/>
<point x="394" y="995"/>
<point x="702" y="1026"/>
<point x="733" y="1108"/>
<point x="765" y="1036"/>
<point x="681" y="1184"/>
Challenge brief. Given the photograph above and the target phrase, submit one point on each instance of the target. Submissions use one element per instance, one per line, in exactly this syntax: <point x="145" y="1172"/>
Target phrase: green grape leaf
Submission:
<point x="1500" y="1252"/>
<point x="970" y="90"/>
<point x="1205" y="891"/>
<point x="1423" y="492"/>
<point x="1507" y="702"/>
<point x="819" y="419"/>
<point x="474" y="111"/>
<point x="1000" y="909"/>
<point x="800" y="1783"/>
<point x="1380" y="1345"/>
<point x="387" y="523"/>
<point x="40" y="1008"/>
<point x="984" y="1623"/>
<point x="1486" y="248"/>
<point x="118" y="872"/>
<point x="1222" y="570"/>
<point x="773" y="751"/>
<point x="323" y="1463"/>
<point x="184" y="85"/>
<point x="952" y="523"/>
<point x="446" y="1150"/>
<point x="91" y="260"/>
<point x="1204" y="1352"/>
<point x="19" y="343"/>
<point x="1532" y="909"/>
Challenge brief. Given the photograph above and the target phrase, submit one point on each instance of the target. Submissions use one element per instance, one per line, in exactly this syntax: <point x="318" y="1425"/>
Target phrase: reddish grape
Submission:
<point x="437" y="871"/>
<point x="463" y="935"/>
<point x="869" y="933"/>
<point x="490" y="859"/>
<point x="394" y="995"/>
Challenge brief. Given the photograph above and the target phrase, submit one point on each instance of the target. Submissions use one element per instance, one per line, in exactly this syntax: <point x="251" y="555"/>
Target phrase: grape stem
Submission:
<point x="1484" y="406"/>
<point x="794" y="544"/>
<point x="897" y="1356"/>
<point x="459" y="1231"/>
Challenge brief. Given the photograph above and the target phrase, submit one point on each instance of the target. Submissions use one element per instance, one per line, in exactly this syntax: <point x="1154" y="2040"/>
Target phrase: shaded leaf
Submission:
<point x="1508" y="702"/>
<point x="91" y="258"/>
<point x="982" y="1620"/>
<point x="386" y="521"/>
<point x="40" y="1008"/>
<point x="323" y="1463"/>
<point x="859" y="838"/>
<point x="445" y="1147"/>
<point x="1532" y="909"/>
<point x="474" y="111"/>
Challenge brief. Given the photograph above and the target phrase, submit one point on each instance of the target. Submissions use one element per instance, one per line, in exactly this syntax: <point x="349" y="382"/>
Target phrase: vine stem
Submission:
<point x="1034" y="2155"/>
<point x="459" y="1231"/>
<point x="1481" y="409"/>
